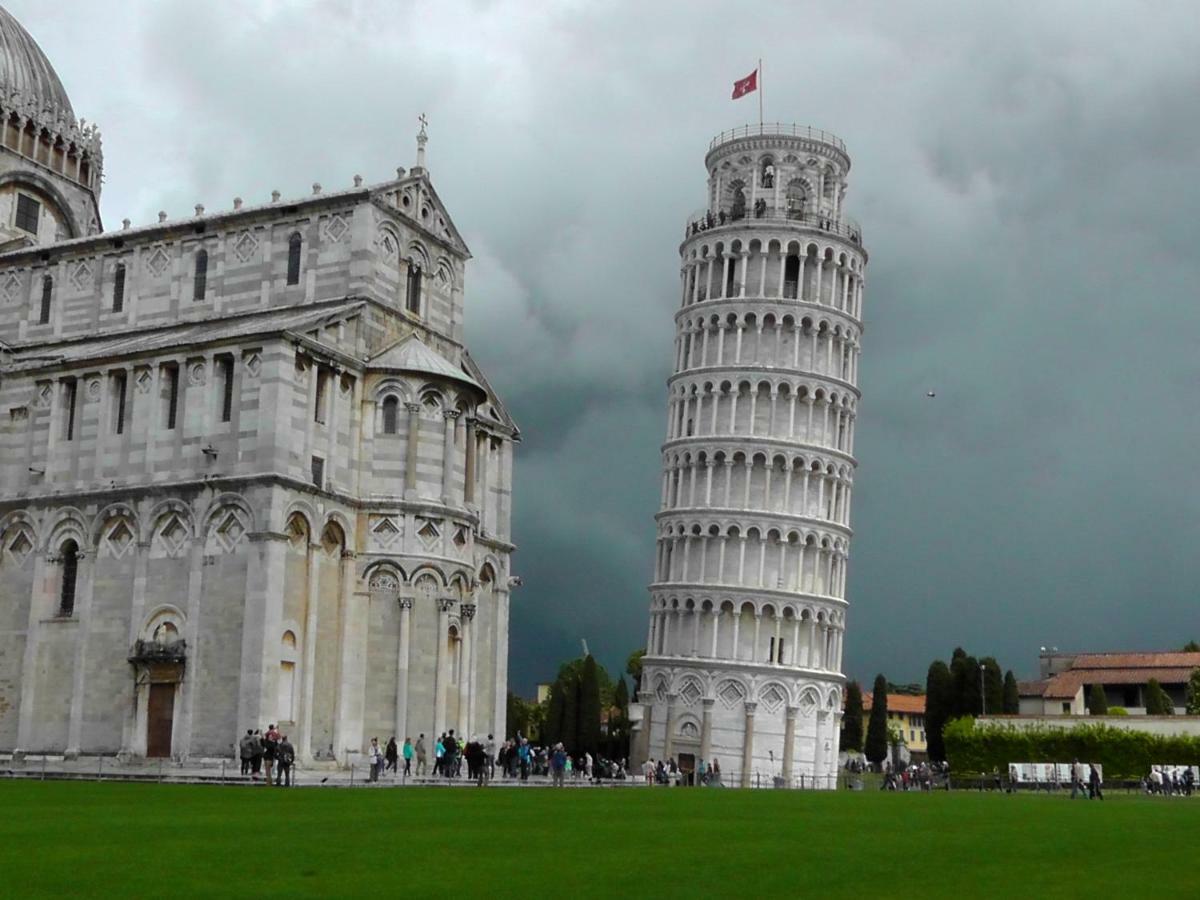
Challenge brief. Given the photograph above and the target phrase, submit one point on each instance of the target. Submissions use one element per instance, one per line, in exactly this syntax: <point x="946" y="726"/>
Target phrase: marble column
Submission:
<point x="445" y="604"/>
<point x="410" y="456"/>
<point x="789" y="744"/>
<point x="84" y="581"/>
<point x="451" y="417"/>
<point x="706" y="731"/>
<point x="466" y="624"/>
<point x="402" y="662"/>
<point x="748" y="746"/>
<point x="669" y="737"/>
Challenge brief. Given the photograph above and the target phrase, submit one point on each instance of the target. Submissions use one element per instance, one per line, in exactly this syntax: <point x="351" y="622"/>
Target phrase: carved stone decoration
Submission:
<point x="157" y="262"/>
<point x="10" y="289"/>
<point x="406" y="602"/>
<point x="144" y="381"/>
<point x="93" y="390"/>
<point x="445" y="604"/>
<point x="197" y="373"/>
<point x="245" y="246"/>
<point x="253" y="365"/>
<point x="81" y="275"/>
<point x="335" y="229"/>
<point x="384" y="580"/>
<point x="468" y="610"/>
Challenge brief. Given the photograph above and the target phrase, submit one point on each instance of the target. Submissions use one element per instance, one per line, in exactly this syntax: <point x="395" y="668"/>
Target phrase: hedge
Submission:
<point x="972" y="748"/>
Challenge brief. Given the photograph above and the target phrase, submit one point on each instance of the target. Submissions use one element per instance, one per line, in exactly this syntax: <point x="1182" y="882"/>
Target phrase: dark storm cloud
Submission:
<point x="1027" y="178"/>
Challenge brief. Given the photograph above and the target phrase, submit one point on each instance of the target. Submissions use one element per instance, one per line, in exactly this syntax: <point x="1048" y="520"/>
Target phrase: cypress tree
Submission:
<point x="1012" y="694"/>
<point x="588" y="735"/>
<point x="552" y="727"/>
<point x="939" y="701"/>
<point x="993" y="685"/>
<point x="569" y="732"/>
<point x="1097" y="703"/>
<point x="1157" y="701"/>
<point x="1193" y="694"/>
<point x="877" y="730"/>
<point x="852" y="720"/>
<point x="965" y="671"/>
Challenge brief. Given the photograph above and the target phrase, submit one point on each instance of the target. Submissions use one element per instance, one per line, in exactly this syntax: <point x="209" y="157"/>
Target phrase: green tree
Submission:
<point x="1097" y="703"/>
<point x="939" y="707"/>
<point x="877" y="728"/>
<point x="517" y="714"/>
<point x="1193" y="694"/>
<point x="852" y="720"/>
<point x="965" y="671"/>
<point x="1012" y="694"/>
<point x="1191" y="647"/>
<point x="993" y="685"/>
<point x="1157" y="701"/>
<point x="588" y="726"/>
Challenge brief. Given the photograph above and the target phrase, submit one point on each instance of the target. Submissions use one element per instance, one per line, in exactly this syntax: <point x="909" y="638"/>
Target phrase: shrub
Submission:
<point x="1097" y="702"/>
<point x="974" y="748"/>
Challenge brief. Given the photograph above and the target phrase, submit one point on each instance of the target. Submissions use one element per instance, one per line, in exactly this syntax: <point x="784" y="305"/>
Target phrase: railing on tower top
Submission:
<point x="777" y="128"/>
<point x="841" y="225"/>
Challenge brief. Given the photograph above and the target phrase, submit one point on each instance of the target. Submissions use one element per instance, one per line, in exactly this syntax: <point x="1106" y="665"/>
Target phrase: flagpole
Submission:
<point x="760" y="93"/>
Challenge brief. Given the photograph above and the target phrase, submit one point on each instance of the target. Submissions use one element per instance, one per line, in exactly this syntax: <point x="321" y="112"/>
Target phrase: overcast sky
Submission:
<point x="1027" y="177"/>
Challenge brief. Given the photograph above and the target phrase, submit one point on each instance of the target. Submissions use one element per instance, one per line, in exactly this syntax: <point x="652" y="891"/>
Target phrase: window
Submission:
<point x="120" y="381"/>
<point x="70" y="395"/>
<point x="28" y="213"/>
<point x="200" y="282"/>
<point x="322" y="399"/>
<point x="119" y="288"/>
<point x="318" y="471"/>
<point x="295" y="243"/>
<point x="70" y="569"/>
<point x="791" y="277"/>
<point x="47" y="293"/>
<point x="287" y="678"/>
<point x="413" y="289"/>
<point x="779" y="654"/>
<point x="225" y="385"/>
<point x="391" y="415"/>
<point x="1066" y="709"/>
<point x="170" y="394"/>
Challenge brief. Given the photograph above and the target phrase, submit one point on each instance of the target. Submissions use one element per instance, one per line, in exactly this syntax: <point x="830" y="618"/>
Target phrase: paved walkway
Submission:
<point x="228" y="772"/>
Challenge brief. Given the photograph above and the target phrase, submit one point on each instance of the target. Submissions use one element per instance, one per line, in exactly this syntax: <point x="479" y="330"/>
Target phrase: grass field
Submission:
<point x="135" y="840"/>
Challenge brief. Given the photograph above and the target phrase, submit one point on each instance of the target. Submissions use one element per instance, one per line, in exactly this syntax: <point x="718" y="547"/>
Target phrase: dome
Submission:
<point x="25" y="69"/>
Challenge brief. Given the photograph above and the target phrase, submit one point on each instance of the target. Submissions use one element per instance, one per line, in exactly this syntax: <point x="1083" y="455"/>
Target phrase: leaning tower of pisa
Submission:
<point x="748" y="608"/>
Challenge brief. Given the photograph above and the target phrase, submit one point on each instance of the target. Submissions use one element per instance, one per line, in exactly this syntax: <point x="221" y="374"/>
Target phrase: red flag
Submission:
<point x="746" y="85"/>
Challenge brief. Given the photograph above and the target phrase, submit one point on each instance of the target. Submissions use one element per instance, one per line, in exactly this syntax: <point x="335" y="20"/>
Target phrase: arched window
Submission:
<point x="391" y="415"/>
<point x="797" y="198"/>
<point x="47" y="293"/>
<point x="200" y="282"/>
<point x="70" y="569"/>
<point x="295" y="242"/>
<point x="119" y="288"/>
<point x="287" y="678"/>
<point x="413" y="289"/>
<point x="791" y="277"/>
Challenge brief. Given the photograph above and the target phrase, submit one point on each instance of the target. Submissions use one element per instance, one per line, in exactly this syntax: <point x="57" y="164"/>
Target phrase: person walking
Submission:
<point x="489" y="750"/>
<point x="439" y="755"/>
<point x="422" y="760"/>
<point x="285" y="757"/>
<point x="524" y="758"/>
<point x="449" y="755"/>
<point x="407" y="752"/>
<point x="1094" y="792"/>
<point x="392" y="755"/>
<point x="1077" y="779"/>
<point x="375" y="757"/>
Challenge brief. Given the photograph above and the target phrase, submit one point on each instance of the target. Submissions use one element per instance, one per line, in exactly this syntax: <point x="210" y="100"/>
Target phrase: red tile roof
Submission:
<point x="899" y="703"/>
<point x="1187" y="661"/>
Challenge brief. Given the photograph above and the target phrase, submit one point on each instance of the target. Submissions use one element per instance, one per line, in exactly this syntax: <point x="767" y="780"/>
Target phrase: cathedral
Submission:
<point x="249" y="472"/>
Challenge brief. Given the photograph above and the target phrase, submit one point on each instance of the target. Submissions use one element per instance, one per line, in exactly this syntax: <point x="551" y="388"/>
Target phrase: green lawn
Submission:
<point x="142" y="840"/>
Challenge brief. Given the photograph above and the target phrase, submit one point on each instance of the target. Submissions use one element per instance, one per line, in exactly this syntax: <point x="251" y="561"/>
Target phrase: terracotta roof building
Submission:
<point x="907" y="712"/>
<point x="1068" y="678"/>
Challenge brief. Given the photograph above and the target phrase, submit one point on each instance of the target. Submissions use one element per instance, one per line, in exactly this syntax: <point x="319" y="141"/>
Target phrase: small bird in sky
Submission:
<point x="930" y="394"/>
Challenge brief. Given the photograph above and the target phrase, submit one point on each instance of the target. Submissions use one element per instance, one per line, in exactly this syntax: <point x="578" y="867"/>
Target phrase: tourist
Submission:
<point x="489" y="750"/>
<point x="1077" y="779"/>
<point x="422" y="761"/>
<point x="246" y="750"/>
<point x="525" y="758"/>
<point x="450" y="755"/>
<point x="256" y="753"/>
<point x="407" y="751"/>
<point x="391" y="755"/>
<point x="558" y="765"/>
<point x="270" y="742"/>
<point x="375" y="758"/>
<point x="648" y="771"/>
<point x="439" y="754"/>
<point x="285" y="756"/>
<point x="1094" y="792"/>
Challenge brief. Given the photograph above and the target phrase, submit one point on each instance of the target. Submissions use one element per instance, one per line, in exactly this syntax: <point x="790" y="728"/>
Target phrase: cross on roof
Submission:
<point x="424" y="121"/>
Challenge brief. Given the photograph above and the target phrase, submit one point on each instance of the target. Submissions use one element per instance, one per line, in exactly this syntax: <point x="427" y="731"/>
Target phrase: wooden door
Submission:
<point x="160" y="716"/>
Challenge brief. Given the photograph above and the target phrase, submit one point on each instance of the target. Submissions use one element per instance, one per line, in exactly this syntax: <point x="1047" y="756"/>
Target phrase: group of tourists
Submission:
<point x="669" y="772"/>
<point x="270" y="754"/>
<point x="1167" y="781"/>
<point x="909" y="778"/>
<point x="449" y="754"/>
